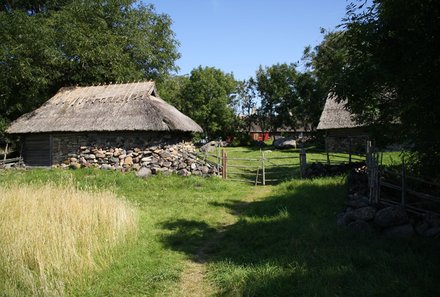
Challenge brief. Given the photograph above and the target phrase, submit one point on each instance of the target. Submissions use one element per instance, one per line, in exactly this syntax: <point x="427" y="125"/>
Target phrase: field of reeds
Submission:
<point x="53" y="236"/>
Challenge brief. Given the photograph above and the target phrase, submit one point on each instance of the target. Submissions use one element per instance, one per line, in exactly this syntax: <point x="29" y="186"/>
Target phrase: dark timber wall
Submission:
<point x="350" y="140"/>
<point x="37" y="150"/>
<point x="47" y="149"/>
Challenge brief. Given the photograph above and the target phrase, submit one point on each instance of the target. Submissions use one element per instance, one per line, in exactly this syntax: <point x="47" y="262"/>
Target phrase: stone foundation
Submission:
<point x="64" y="144"/>
<point x="177" y="158"/>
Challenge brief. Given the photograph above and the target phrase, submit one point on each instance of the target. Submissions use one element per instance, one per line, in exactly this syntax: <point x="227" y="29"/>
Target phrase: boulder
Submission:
<point x="128" y="161"/>
<point x="284" y="143"/>
<point x="343" y="219"/>
<point x="362" y="214"/>
<point x="432" y="232"/>
<point x="360" y="226"/>
<point x="357" y="201"/>
<point x="209" y="147"/>
<point x="143" y="172"/>
<point x="106" y="167"/>
<point x="402" y="231"/>
<point x="391" y="216"/>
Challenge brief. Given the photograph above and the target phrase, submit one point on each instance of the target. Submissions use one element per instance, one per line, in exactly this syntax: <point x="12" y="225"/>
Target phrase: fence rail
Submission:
<point x="416" y="199"/>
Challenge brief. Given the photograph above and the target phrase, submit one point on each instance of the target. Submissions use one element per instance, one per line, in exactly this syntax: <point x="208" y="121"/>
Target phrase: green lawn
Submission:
<point x="247" y="241"/>
<point x="280" y="165"/>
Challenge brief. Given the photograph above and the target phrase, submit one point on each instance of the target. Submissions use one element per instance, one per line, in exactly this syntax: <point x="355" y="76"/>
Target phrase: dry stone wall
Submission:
<point x="178" y="158"/>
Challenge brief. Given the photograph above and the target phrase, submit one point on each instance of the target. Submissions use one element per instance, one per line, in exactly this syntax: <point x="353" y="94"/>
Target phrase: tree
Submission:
<point x="246" y="95"/>
<point x="391" y="73"/>
<point x="207" y="100"/>
<point x="171" y="89"/>
<point x="50" y="44"/>
<point x="288" y="97"/>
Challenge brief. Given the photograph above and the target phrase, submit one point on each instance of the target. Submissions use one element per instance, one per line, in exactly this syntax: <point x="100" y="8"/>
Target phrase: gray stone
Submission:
<point x="91" y="156"/>
<point x="357" y="201"/>
<point x="166" y="155"/>
<point x="167" y="164"/>
<point x="184" y="172"/>
<point x="421" y="228"/>
<point x="364" y="213"/>
<point x="106" y="167"/>
<point x="360" y="226"/>
<point x="342" y="219"/>
<point x="143" y="172"/>
<point x="402" y="231"/>
<point x="193" y="166"/>
<point x="432" y="232"/>
<point x="391" y="216"/>
<point x="114" y="160"/>
<point x="284" y="143"/>
<point x="205" y="169"/>
<point x="100" y="155"/>
<point x="146" y="159"/>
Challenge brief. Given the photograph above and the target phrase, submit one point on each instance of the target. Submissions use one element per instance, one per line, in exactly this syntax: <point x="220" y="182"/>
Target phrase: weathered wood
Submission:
<point x="262" y="168"/>
<point x="256" y="176"/>
<point x="403" y="180"/>
<point x="225" y="162"/>
<point x="36" y="150"/>
<point x="303" y="163"/>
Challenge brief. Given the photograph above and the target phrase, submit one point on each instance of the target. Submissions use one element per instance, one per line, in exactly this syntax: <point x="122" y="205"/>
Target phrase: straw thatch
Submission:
<point x="336" y="116"/>
<point x="118" y="107"/>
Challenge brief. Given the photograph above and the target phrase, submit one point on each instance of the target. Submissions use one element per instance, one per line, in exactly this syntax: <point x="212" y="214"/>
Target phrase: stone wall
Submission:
<point x="344" y="144"/>
<point x="64" y="144"/>
<point x="178" y="158"/>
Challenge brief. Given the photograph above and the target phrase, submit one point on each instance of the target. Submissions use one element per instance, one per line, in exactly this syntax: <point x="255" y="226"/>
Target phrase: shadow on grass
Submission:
<point x="288" y="244"/>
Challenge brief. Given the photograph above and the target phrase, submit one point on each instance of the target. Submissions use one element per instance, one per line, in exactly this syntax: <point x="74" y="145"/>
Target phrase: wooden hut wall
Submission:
<point x="346" y="140"/>
<point x="37" y="149"/>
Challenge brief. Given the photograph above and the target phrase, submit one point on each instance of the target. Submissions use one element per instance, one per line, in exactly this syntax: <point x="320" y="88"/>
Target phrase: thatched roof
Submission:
<point x="118" y="107"/>
<point x="335" y="115"/>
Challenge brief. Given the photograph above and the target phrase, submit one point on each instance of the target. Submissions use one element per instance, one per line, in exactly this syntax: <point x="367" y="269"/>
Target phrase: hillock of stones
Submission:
<point x="179" y="158"/>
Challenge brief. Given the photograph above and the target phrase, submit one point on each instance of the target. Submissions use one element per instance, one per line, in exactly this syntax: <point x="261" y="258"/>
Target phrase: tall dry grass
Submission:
<point x="55" y="236"/>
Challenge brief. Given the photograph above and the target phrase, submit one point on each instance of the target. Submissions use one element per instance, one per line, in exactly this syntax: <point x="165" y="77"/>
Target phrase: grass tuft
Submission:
<point x="54" y="236"/>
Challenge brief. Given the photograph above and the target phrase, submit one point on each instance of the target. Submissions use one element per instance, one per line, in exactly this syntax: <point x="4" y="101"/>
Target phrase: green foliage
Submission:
<point x="50" y="44"/>
<point x="288" y="97"/>
<point x="387" y="65"/>
<point x="171" y="89"/>
<point x="208" y="97"/>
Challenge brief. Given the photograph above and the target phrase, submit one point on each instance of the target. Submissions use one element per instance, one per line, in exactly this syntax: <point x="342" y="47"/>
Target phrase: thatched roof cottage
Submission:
<point x="343" y="133"/>
<point x="120" y="115"/>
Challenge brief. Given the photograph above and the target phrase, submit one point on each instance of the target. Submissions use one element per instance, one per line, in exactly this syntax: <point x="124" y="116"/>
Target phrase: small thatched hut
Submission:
<point x="120" y="115"/>
<point x="343" y="133"/>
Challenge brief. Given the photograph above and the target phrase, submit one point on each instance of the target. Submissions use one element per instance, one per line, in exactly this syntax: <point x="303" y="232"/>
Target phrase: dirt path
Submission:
<point x="193" y="282"/>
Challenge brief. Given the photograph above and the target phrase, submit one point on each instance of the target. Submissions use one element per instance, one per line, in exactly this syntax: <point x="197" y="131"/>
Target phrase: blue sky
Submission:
<point x="239" y="35"/>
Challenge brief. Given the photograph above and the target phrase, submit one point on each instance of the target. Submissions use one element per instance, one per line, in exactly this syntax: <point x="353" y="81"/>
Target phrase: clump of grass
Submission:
<point x="55" y="236"/>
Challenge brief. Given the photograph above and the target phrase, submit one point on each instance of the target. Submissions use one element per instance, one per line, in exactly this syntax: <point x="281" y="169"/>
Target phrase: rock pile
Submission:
<point x="179" y="158"/>
<point x="321" y="169"/>
<point x="361" y="216"/>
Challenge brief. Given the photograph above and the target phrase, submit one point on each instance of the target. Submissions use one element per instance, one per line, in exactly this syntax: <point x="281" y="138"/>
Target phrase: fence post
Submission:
<point x="326" y="151"/>
<point x="224" y="164"/>
<point x="263" y="171"/>
<point x="302" y="163"/>
<point x="5" y="152"/>
<point x="218" y="159"/>
<point x="349" y="151"/>
<point x="403" y="182"/>
<point x="373" y="181"/>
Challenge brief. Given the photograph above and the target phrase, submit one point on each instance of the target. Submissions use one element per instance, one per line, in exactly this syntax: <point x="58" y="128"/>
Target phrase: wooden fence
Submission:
<point x="396" y="187"/>
<point x="261" y="170"/>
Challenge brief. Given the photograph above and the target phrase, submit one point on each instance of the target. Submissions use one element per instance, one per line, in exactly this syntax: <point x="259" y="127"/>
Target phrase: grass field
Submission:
<point x="208" y="237"/>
